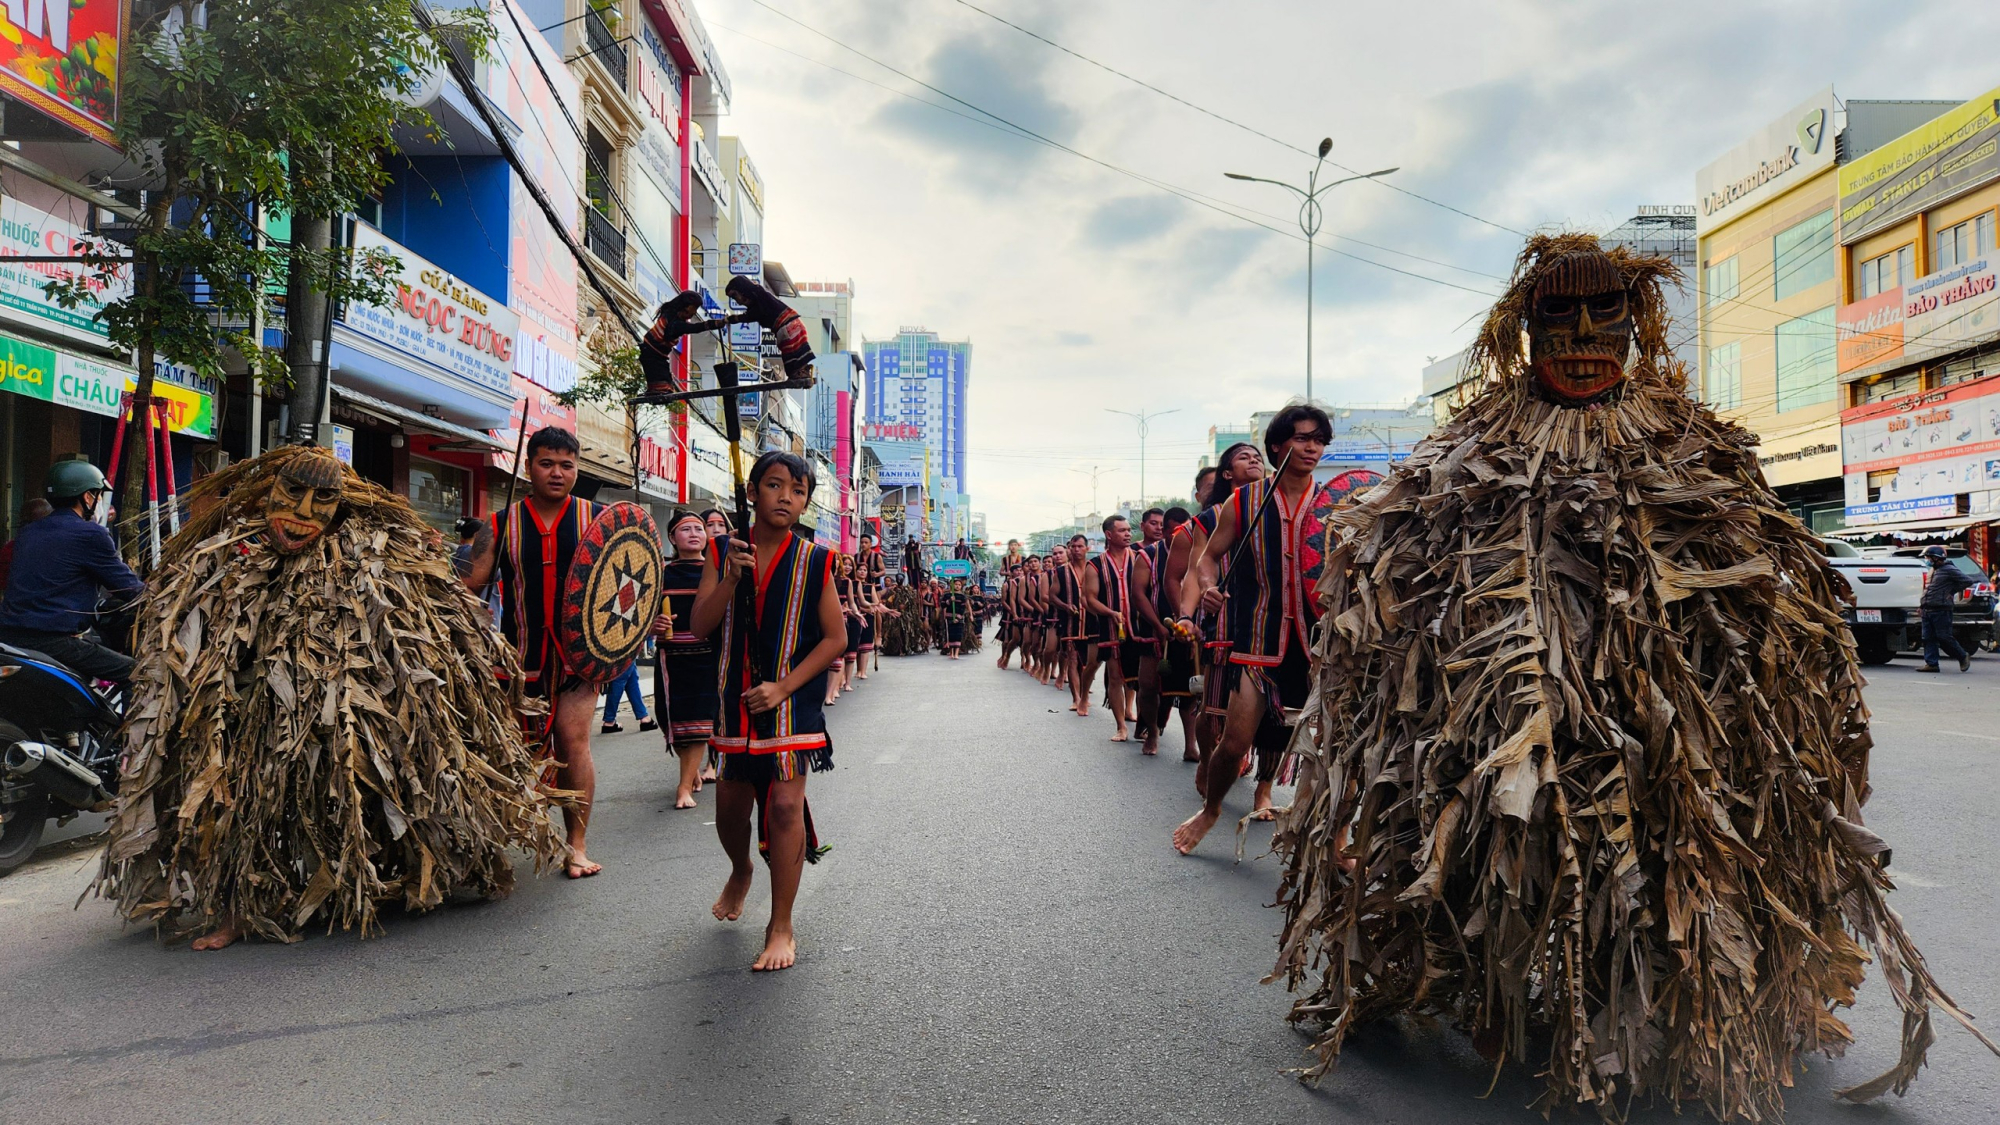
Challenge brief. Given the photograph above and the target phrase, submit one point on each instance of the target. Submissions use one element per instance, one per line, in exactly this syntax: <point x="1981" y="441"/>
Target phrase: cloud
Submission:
<point x="1083" y="289"/>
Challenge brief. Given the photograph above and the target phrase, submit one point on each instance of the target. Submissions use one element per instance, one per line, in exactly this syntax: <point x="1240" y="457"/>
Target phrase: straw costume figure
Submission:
<point x="906" y="629"/>
<point x="1586" y="758"/>
<point x="316" y="728"/>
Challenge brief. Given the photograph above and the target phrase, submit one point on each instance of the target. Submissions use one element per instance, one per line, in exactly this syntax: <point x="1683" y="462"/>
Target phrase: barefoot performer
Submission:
<point x="1280" y="523"/>
<point x="1079" y="648"/>
<point x="1180" y="649"/>
<point x="684" y="667"/>
<point x="1107" y="592"/>
<point x="528" y="548"/>
<point x="772" y="729"/>
<point x="263" y="660"/>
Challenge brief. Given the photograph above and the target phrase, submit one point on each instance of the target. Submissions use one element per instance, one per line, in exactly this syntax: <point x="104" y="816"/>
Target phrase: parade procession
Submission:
<point x="483" y="639"/>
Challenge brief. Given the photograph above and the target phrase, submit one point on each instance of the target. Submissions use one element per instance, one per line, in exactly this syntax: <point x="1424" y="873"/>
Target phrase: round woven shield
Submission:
<point x="612" y="593"/>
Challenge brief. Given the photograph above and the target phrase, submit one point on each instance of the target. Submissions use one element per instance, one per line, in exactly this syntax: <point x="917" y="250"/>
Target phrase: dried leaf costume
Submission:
<point x="1586" y="757"/>
<point x="909" y="632"/>
<point x="316" y="728"/>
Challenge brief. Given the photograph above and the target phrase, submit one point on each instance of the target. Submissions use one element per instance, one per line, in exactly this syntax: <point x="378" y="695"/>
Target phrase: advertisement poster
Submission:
<point x="746" y="259"/>
<point x="1935" y="314"/>
<point x="541" y="274"/>
<point x="61" y="57"/>
<point x="1938" y="160"/>
<point x="1940" y="443"/>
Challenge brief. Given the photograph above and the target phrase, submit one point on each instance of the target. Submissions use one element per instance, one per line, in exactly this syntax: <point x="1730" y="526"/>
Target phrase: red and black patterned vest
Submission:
<point x="1271" y="602"/>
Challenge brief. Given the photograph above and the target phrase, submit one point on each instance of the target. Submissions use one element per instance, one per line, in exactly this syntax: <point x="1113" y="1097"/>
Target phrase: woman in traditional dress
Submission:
<point x="684" y="668"/>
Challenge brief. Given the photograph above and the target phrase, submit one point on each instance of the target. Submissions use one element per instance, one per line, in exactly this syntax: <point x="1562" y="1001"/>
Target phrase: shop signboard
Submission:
<point x="746" y="259"/>
<point x="709" y="172"/>
<point x="1941" y="159"/>
<point x="1934" y="315"/>
<point x="1781" y="155"/>
<point x="96" y="387"/>
<point x="1939" y="443"/>
<point x="435" y="317"/>
<point x="27" y="230"/>
<point x="1896" y="511"/>
<point x="61" y="57"/>
<point x="746" y="335"/>
<point x="948" y="569"/>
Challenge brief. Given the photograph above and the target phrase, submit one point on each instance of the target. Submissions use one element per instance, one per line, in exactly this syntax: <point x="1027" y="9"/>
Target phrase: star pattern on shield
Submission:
<point x="628" y="590"/>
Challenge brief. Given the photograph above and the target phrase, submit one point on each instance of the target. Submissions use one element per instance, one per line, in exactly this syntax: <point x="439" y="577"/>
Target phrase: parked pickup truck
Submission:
<point x="1886" y="592"/>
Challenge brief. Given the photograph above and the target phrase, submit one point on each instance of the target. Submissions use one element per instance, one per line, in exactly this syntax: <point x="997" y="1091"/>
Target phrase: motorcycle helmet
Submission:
<point x="1935" y="554"/>
<point x="71" y="479"/>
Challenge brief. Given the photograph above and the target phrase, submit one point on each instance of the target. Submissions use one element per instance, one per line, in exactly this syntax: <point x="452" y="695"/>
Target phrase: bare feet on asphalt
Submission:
<point x="729" y="907"/>
<point x="781" y="951"/>
<point x="1191" y="831"/>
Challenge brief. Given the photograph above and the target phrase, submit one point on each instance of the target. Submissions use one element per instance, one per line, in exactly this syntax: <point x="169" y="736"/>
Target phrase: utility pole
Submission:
<point x="1144" y="418"/>
<point x="1093" y="473"/>
<point x="1310" y="215"/>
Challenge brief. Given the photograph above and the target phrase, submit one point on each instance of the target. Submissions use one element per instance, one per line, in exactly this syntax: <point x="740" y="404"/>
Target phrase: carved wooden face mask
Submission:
<point x="305" y="497"/>
<point x="1580" y="329"/>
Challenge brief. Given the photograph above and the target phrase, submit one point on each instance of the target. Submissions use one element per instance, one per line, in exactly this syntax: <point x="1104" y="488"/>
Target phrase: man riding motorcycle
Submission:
<point x="60" y="563"/>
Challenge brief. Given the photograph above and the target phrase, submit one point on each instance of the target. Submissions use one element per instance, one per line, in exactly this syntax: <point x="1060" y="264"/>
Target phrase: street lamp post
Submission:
<point x="1093" y="473"/>
<point x="1309" y="220"/>
<point x="1144" y="417"/>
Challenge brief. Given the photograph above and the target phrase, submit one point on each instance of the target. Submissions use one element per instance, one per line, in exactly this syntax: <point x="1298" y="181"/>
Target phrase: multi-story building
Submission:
<point x="917" y="388"/>
<point x="1668" y="231"/>
<point x="1771" y="279"/>
<point x="1917" y="332"/>
<point x="833" y="412"/>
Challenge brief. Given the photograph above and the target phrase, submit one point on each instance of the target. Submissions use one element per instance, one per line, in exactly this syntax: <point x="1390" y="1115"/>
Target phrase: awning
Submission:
<point x="1912" y="529"/>
<point x="390" y="412"/>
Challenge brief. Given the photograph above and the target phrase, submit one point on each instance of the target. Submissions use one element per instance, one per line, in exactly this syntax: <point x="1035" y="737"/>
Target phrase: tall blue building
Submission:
<point x="917" y="390"/>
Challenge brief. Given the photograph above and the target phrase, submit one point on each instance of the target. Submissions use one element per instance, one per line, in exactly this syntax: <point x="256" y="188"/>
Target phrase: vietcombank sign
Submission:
<point x="1781" y="155"/>
<point x="33" y="371"/>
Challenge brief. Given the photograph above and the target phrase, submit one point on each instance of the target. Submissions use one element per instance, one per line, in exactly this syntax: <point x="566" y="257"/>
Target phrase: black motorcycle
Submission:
<point x="58" y="755"/>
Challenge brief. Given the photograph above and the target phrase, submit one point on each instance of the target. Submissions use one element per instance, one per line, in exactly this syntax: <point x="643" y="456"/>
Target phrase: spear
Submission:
<point x="732" y="426"/>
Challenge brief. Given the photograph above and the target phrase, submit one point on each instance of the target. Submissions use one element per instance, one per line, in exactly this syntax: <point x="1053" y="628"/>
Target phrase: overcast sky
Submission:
<point x="1083" y="288"/>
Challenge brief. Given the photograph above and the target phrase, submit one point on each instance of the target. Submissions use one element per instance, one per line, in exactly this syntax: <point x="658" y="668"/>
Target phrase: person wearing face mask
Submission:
<point x="1941" y="590"/>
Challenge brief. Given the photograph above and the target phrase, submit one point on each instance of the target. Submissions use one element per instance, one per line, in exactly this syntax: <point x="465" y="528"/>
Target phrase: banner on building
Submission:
<point x="1895" y="511"/>
<point x="27" y="230"/>
<point x="96" y="387"/>
<point x="1934" y="315"/>
<point x="1939" y="443"/>
<point x="1938" y="160"/>
<point x="61" y="57"/>
<point x="435" y="317"/>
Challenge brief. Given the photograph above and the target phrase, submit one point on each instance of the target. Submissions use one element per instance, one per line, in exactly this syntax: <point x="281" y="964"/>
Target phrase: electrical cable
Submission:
<point x="1228" y="121"/>
<point x="1160" y="185"/>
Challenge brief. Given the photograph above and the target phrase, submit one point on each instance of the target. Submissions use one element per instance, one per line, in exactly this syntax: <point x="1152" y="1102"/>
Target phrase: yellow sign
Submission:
<point x="1936" y="161"/>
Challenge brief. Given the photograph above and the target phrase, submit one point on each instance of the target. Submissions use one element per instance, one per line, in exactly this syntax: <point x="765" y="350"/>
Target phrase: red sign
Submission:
<point x="655" y="460"/>
<point x="61" y="57"/>
<point x="1870" y="330"/>
<point x="876" y="432"/>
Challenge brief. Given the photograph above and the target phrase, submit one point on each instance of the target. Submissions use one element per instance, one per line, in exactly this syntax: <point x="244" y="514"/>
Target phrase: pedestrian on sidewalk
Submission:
<point x="1941" y="589"/>
<point x="625" y="687"/>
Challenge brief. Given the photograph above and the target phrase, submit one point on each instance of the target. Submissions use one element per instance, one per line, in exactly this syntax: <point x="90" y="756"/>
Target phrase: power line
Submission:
<point x="1225" y="120"/>
<point x="1160" y="185"/>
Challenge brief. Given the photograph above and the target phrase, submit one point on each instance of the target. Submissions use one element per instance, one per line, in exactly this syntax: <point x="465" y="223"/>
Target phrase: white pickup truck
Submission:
<point x="1886" y="593"/>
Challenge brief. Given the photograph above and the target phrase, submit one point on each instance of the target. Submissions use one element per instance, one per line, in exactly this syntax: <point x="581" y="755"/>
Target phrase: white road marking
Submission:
<point x="886" y="760"/>
<point x="1970" y="734"/>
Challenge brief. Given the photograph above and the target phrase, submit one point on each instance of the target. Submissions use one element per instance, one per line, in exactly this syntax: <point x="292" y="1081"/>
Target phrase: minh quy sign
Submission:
<point x="1784" y="153"/>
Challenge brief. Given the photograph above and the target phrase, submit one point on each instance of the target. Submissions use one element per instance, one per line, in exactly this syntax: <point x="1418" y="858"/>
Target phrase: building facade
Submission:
<point x="1774" y="272"/>
<point x="1918" y="331"/>
<point x="917" y="389"/>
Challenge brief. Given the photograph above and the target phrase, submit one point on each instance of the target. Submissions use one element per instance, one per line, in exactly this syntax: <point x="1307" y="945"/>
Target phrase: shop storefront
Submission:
<point x="1925" y="468"/>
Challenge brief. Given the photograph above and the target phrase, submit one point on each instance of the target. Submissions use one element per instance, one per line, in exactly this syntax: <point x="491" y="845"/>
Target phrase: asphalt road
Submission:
<point x="1002" y="934"/>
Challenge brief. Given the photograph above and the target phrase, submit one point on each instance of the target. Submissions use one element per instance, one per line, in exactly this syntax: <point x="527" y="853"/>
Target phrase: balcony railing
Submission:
<point x="604" y="46"/>
<point x="604" y="239"/>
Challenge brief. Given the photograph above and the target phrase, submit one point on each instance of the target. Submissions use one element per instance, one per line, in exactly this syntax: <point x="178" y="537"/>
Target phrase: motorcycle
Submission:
<point x="58" y="757"/>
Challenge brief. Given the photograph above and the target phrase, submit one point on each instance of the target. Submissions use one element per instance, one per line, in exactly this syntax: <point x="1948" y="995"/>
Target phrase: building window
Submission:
<point x="1806" y="366"/>
<point x="437" y="492"/>
<point x="1725" y="375"/>
<point x="1890" y="271"/>
<point x="1962" y="243"/>
<point x="1803" y="255"/>
<point x="1721" y="281"/>
<point x="1895" y="386"/>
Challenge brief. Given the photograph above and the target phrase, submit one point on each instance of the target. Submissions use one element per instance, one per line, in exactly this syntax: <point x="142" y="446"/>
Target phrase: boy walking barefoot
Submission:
<point x="771" y="726"/>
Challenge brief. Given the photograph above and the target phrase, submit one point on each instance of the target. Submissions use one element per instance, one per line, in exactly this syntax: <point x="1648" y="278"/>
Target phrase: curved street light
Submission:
<point x="1310" y="215"/>
<point x="1144" y="418"/>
